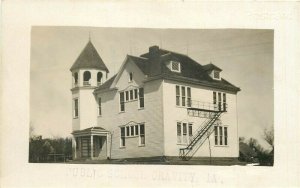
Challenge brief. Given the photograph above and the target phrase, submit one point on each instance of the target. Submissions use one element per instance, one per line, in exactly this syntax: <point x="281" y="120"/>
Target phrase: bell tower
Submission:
<point x="88" y="72"/>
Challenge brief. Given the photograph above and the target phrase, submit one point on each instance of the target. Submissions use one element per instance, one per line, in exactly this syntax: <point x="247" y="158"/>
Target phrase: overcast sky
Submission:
<point x="246" y="57"/>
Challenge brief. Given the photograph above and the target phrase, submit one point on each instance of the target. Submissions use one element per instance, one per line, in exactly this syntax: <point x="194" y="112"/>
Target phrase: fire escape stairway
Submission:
<point x="202" y="133"/>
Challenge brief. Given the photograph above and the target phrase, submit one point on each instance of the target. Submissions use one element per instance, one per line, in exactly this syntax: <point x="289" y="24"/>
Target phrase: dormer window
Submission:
<point x="175" y="66"/>
<point x="217" y="74"/>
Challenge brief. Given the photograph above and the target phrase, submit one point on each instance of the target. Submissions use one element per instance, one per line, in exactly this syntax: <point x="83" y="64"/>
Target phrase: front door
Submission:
<point x="85" y="147"/>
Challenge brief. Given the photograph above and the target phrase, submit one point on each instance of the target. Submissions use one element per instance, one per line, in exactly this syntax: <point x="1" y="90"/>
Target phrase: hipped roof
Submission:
<point x="89" y="58"/>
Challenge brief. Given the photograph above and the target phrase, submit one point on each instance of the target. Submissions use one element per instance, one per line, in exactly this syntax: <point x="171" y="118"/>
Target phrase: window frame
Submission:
<point x="217" y="74"/>
<point x="141" y="98"/>
<point x="221" y="136"/>
<point x="122" y="103"/>
<point x="183" y="96"/>
<point x="76" y="108"/>
<point x="183" y="132"/>
<point x="99" y="106"/>
<point x="179" y="66"/>
<point x="130" y="77"/>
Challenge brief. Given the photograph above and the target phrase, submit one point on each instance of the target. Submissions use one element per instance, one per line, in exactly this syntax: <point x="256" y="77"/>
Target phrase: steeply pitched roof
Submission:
<point x="89" y="58"/>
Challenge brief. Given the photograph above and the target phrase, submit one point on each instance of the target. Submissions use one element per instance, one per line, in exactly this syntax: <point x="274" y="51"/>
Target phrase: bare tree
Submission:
<point x="269" y="136"/>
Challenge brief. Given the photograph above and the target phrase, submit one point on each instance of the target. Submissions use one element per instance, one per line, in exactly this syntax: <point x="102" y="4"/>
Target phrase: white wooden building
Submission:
<point x="161" y="103"/>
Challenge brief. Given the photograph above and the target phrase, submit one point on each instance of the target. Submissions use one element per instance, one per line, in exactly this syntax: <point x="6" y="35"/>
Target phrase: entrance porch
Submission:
<point x="91" y="143"/>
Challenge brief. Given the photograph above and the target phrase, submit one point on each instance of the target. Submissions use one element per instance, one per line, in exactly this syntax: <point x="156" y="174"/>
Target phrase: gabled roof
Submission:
<point x="107" y="84"/>
<point x="89" y="58"/>
<point x="211" y="66"/>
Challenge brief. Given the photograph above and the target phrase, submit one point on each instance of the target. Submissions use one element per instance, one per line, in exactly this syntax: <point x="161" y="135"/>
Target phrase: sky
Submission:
<point x="244" y="55"/>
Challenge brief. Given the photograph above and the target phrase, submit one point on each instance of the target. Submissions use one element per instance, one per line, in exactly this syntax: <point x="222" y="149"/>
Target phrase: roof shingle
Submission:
<point x="89" y="58"/>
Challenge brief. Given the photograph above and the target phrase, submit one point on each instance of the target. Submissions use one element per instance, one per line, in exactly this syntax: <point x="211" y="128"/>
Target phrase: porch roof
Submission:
<point x="91" y="131"/>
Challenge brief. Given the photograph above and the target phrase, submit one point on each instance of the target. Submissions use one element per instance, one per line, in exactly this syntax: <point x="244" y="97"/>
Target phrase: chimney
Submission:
<point x="154" y="51"/>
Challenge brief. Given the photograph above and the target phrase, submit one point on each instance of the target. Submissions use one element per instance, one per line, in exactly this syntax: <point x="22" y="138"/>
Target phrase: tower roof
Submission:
<point x="89" y="58"/>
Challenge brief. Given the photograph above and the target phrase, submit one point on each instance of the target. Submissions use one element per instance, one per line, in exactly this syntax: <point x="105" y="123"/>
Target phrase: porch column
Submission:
<point x="108" y="144"/>
<point x="92" y="147"/>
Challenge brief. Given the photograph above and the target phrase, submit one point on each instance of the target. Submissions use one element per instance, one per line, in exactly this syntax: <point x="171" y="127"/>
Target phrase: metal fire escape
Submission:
<point x="212" y="113"/>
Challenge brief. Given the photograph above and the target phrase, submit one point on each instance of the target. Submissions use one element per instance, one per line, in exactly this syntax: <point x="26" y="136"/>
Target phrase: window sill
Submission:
<point x="122" y="147"/>
<point x="141" y="108"/>
<point x="75" y="117"/>
<point x="132" y="136"/>
<point x="99" y="116"/>
<point x="121" y="112"/>
<point x="142" y="145"/>
<point x="221" y="146"/>
<point x="181" y="106"/>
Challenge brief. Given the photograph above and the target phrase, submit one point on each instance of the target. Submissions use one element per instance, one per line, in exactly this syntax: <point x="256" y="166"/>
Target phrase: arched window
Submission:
<point x="75" y="79"/>
<point x="86" y="78"/>
<point x="99" y="78"/>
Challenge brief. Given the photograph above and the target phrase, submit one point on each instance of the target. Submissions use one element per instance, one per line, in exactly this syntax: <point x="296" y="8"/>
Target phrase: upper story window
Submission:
<point x="183" y="96"/>
<point x="216" y="74"/>
<point x="99" y="107"/>
<point x="76" y="108"/>
<point x="132" y="95"/>
<point x="130" y="76"/>
<point x="75" y="79"/>
<point x="86" y="78"/>
<point x="175" y="66"/>
<point x="219" y="102"/>
<point x="99" y="78"/>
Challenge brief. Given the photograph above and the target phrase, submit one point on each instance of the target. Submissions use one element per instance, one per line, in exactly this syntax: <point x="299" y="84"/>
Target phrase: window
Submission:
<point x="131" y="130"/>
<point x="86" y="78"/>
<point x="136" y="130"/>
<point x="189" y="98"/>
<point x="135" y="93"/>
<point x="76" y="108"/>
<point x="99" y="107"/>
<point x="221" y="135"/>
<point x="131" y="94"/>
<point x="216" y="74"/>
<point x="225" y="136"/>
<point x="175" y="66"/>
<point x="184" y="132"/>
<point x="216" y="135"/>
<point x="178" y="132"/>
<point x="130" y="77"/>
<point x="127" y="96"/>
<point x="177" y="95"/>
<point x="99" y="78"/>
<point x="122" y="102"/>
<point x="183" y="95"/>
<point x="122" y="137"/>
<point x="141" y="97"/>
<point x="219" y="101"/>
<point x="76" y="79"/>
<point x="142" y="134"/>
<point x="190" y="131"/>
<point x="127" y="131"/>
<point x="224" y="102"/>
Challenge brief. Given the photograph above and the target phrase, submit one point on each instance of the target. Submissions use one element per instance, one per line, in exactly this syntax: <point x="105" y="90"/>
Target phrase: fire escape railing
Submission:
<point x="213" y="112"/>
